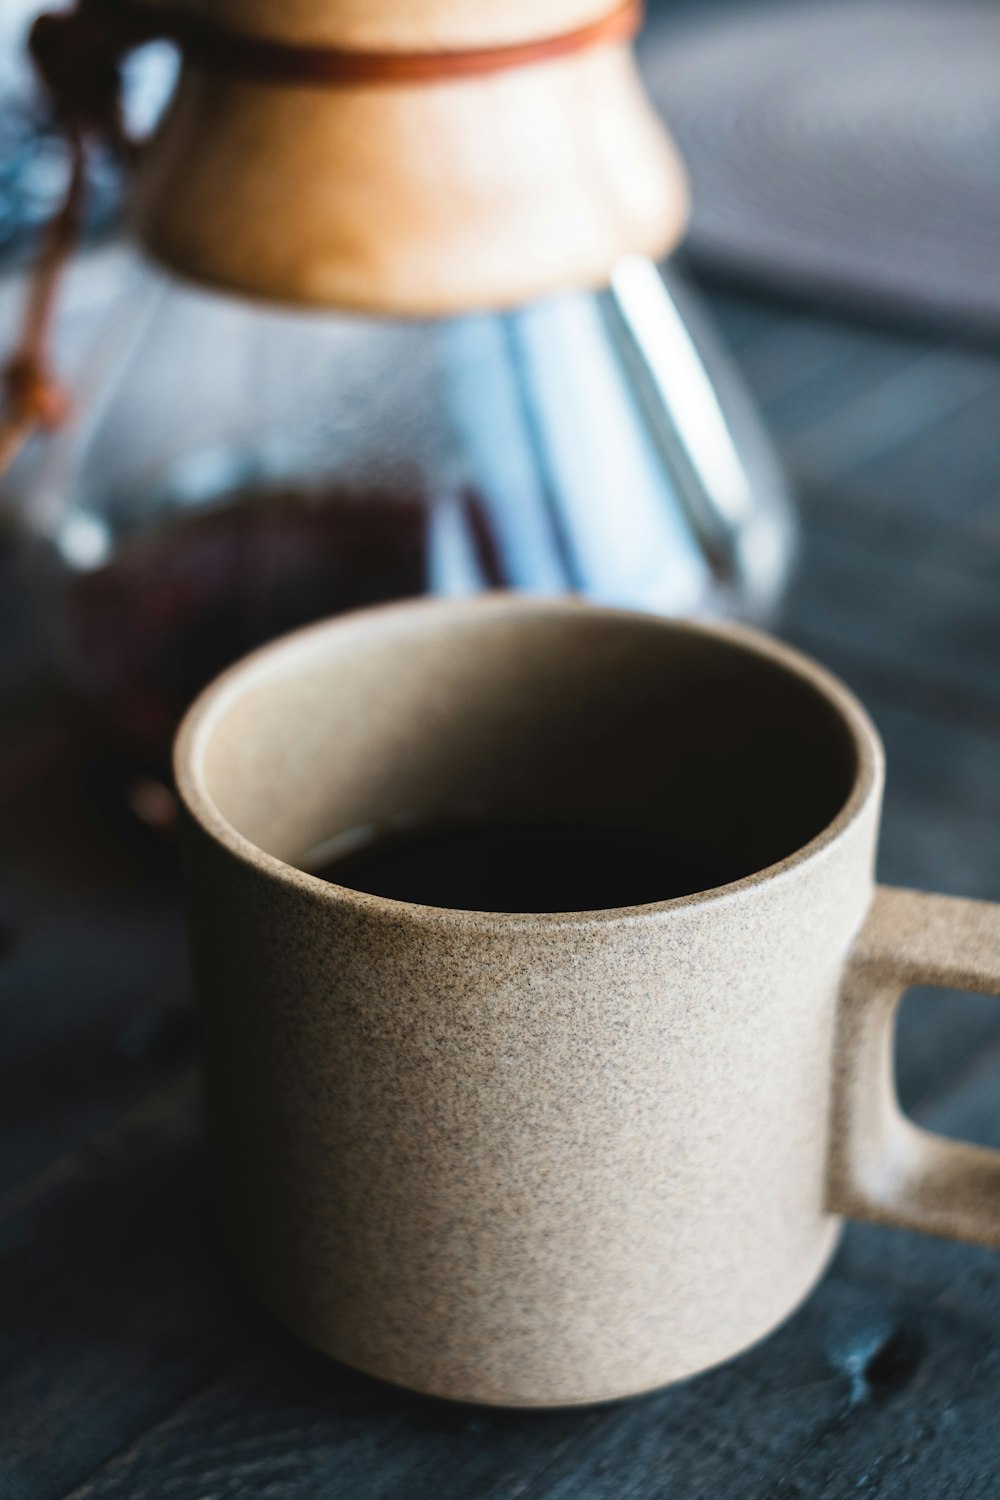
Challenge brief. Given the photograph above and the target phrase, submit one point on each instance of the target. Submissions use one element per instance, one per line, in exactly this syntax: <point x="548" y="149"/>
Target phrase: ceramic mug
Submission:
<point x="547" y="1159"/>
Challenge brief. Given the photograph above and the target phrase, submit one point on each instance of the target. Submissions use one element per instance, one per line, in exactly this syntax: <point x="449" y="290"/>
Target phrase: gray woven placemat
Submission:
<point x="849" y="149"/>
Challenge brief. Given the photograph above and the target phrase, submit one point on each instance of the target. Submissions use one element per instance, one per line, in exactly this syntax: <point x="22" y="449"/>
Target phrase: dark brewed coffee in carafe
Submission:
<point x="182" y="601"/>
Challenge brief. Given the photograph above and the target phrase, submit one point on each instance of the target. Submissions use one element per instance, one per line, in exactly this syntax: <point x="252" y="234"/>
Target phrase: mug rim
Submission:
<point x="199" y="721"/>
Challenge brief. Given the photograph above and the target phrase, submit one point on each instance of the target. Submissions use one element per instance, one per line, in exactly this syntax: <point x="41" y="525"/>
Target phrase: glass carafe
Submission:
<point x="237" y="469"/>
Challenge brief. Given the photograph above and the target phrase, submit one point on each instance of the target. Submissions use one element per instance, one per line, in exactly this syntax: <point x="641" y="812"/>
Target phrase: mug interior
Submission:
<point x="523" y="711"/>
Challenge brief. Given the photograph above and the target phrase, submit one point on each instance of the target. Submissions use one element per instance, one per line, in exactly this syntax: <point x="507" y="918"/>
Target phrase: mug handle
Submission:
<point x="882" y="1166"/>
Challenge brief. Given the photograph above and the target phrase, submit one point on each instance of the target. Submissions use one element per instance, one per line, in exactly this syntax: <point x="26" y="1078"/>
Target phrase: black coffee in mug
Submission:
<point x="529" y="867"/>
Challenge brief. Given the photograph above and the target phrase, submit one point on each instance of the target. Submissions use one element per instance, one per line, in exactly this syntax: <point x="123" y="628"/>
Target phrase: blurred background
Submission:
<point x="844" y="158"/>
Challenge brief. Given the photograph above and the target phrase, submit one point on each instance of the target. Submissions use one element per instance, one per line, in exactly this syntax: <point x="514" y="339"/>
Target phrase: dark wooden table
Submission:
<point x="130" y="1363"/>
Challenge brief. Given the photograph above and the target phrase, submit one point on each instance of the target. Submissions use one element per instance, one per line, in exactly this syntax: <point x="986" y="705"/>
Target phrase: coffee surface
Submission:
<point x="530" y="867"/>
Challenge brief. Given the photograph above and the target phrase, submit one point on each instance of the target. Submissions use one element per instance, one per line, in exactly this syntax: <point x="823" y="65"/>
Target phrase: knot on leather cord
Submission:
<point x="77" y="55"/>
<point x="29" y="388"/>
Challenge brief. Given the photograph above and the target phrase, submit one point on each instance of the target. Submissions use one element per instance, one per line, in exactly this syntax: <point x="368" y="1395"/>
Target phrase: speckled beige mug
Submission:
<point x="536" y="1160"/>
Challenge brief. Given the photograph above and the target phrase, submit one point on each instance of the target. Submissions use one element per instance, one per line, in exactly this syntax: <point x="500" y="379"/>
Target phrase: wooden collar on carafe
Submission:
<point x="78" y="54"/>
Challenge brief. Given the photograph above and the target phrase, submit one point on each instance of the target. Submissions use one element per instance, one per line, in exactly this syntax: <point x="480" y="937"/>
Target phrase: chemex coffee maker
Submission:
<point x="395" y="325"/>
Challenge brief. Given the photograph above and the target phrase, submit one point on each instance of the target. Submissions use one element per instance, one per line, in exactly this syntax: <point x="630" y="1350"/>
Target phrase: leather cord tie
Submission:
<point x="78" y="55"/>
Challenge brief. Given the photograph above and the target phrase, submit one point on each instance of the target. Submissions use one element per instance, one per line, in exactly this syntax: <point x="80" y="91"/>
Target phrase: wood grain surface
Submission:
<point x="130" y="1363"/>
